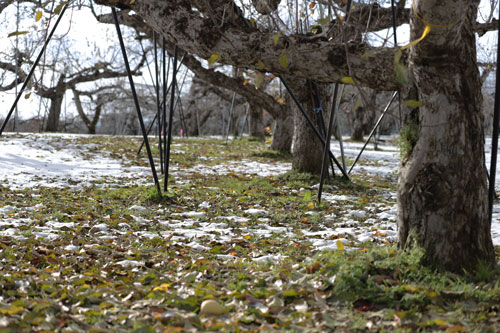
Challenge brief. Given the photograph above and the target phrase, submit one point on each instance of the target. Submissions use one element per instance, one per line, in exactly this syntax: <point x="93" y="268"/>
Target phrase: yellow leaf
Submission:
<point x="11" y="310"/>
<point x="310" y="205"/>
<point x="347" y="80"/>
<point x="17" y="33"/>
<point x="28" y="95"/>
<point x="440" y="322"/>
<point x="260" y="65"/>
<point x="367" y="55"/>
<point x="132" y="2"/>
<point x="411" y="103"/>
<point x="246" y="82"/>
<point x="340" y="245"/>
<point x="247" y="237"/>
<point x="276" y="37"/>
<point x="252" y="21"/>
<point x="213" y="58"/>
<point x="38" y="16"/>
<point x="259" y="79"/>
<point x="284" y="60"/>
<point x="281" y="101"/>
<point x="415" y="42"/>
<point x="162" y="287"/>
<point x="410" y="289"/>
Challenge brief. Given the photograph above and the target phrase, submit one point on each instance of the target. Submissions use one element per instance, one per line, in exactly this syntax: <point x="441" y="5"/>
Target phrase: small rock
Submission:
<point x="211" y="307"/>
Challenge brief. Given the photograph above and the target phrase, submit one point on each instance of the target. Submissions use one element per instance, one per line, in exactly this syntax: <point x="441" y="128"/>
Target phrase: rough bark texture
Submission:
<point x="283" y="133"/>
<point x="307" y="148"/>
<point x="442" y="191"/>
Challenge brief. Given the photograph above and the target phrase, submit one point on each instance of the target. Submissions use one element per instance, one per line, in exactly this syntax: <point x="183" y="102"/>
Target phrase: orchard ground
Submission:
<point x="85" y="243"/>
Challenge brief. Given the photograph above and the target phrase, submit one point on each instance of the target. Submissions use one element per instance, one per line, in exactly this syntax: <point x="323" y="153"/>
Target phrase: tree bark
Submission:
<point x="283" y="133"/>
<point x="442" y="190"/>
<point x="256" y="122"/>
<point x="56" y="98"/>
<point x="307" y="148"/>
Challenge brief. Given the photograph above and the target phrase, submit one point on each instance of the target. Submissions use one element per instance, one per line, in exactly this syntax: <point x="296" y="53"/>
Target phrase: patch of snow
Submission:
<point x="256" y="211"/>
<point x="130" y="263"/>
<point x="138" y="208"/>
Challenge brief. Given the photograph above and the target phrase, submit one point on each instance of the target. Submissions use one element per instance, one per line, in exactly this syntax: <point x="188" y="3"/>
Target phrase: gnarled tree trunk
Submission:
<point x="442" y="191"/>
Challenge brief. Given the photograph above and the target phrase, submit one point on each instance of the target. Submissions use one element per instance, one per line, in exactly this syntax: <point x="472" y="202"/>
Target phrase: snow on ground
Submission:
<point x="38" y="160"/>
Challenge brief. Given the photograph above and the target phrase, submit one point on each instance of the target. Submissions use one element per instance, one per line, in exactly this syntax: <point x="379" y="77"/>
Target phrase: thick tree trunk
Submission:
<point x="256" y="122"/>
<point x="307" y="148"/>
<point x="442" y="191"/>
<point x="283" y="133"/>
<point x="54" y="113"/>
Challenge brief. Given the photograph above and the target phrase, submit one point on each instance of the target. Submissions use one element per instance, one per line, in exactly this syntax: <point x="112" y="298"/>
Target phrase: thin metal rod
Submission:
<point x="157" y="90"/>
<point x="309" y="121"/>
<point x="494" y="139"/>
<point x="339" y="128"/>
<point x="136" y="101"/>
<point x="319" y="116"/>
<point x="163" y="121"/>
<point x="393" y="9"/>
<point x="32" y="70"/>
<point x="374" y="129"/>
<point x="170" y="118"/>
<point x="156" y="116"/>
<point x="149" y="131"/>
<point x="231" y="112"/>
<point x="324" y="164"/>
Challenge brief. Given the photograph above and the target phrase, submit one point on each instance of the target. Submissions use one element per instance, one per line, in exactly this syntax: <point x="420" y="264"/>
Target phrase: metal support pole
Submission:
<point x="309" y="121"/>
<point x="339" y="128"/>
<point x="494" y="139"/>
<point x="157" y="90"/>
<point x="166" y="72"/>
<point x="326" y="149"/>
<point x="156" y="116"/>
<point x="32" y="70"/>
<point x="136" y="101"/>
<point x="170" y="118"/>
<point x="374" y="129"/>
<point x="393" y="9"/>
<point x="319" y="116"/>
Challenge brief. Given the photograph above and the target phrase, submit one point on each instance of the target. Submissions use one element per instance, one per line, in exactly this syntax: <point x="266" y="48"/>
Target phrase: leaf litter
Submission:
<point x="84" y="247"/>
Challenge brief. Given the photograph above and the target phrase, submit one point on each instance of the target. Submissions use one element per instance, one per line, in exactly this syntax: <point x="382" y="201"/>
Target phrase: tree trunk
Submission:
<point x="442" y="190"/>
<point x="357" y="128"/>
<point x="256" y="122"/>
<point x="283" y="133"/>
<point x="54" y="113"/>
<point x="307" y="148"/>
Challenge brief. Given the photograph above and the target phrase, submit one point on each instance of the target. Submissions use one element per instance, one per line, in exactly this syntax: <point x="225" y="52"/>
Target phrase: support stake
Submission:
<point x="374" y="129"/>
<point x="309" y="121"/>
<point x="326" y="149"/>
<point x="136" y="101"/>
<point x="494" y="139"/>
<point x="170" y="119"/>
